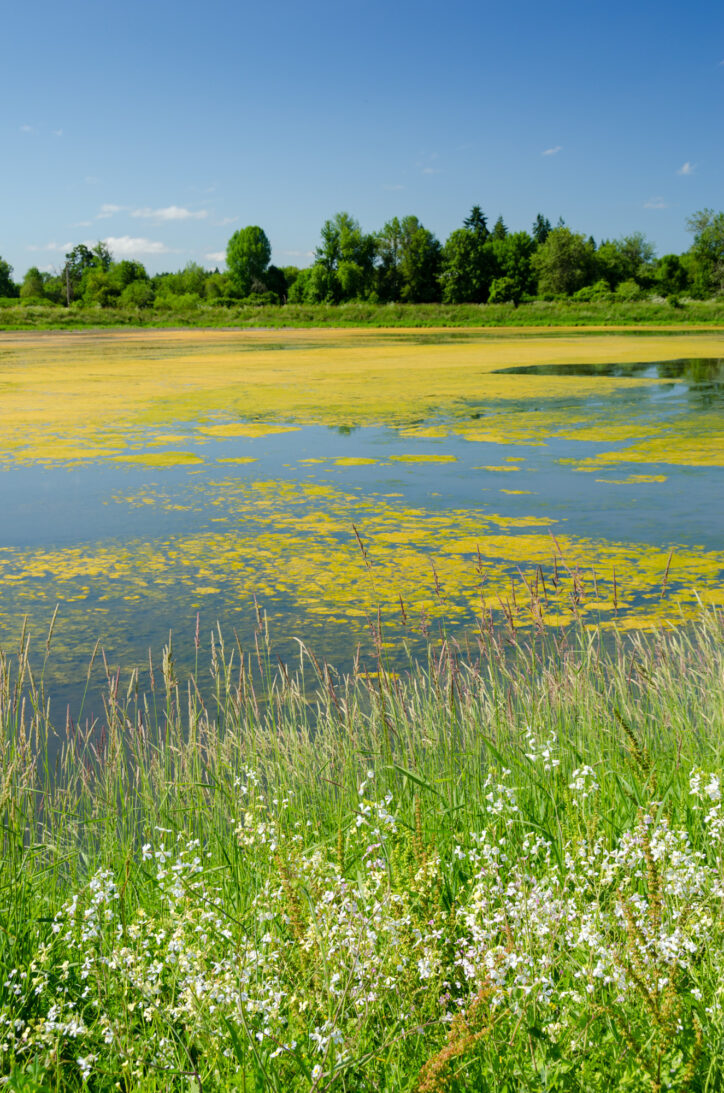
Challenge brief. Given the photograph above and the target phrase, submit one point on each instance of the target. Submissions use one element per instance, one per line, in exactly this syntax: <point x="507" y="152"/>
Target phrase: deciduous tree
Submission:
<point x="248" y="253"/>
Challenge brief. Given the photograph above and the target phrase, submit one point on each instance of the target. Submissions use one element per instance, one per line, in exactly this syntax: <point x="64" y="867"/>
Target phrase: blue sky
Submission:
<point x="162" y="127"/>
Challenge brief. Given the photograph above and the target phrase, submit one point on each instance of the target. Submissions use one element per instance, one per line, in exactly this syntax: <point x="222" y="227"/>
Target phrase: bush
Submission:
<point x="629" y="291"/>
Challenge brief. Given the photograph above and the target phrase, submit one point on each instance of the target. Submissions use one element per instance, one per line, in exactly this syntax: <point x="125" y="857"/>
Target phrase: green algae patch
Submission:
<point x="497" y="467"/>
<point x="353" y="461"/>
<point x="252" y="430"/>
<point x="634" y="479"/>
<point x="423" y="458"/>
<point x="237" y="459"/>
<point x="161" y="459"/>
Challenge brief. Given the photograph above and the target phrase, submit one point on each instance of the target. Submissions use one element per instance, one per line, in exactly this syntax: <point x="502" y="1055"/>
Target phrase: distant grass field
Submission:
<point x="542" y="313"/>
<point x="499" y="872"/>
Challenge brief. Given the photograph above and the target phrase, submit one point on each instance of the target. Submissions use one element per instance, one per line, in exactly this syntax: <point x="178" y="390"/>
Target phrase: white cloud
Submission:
<point x="109" y="210"/>
<point x="26" y="129"/>
<point x="127" y="246"/>
<point x="552" y="151"/>
<point x="686" y="168"/>
<point x="57" y="132"/>
<point x="656" y="203"/>
<point x="216" y="256"/>
<point x="51" y="246"/>
<point x="171" y="212"/>
<point x="226" y="220"/>
<point x="298" y="253"/>
<point x="430" y="171"/>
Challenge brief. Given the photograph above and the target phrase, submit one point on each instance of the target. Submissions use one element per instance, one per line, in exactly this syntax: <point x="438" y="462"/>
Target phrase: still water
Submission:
<point x="598" y="506"/>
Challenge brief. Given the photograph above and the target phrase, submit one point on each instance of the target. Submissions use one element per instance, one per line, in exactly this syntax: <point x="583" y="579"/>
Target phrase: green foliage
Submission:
<point x="345" y="259"/>
<point x="503" y="290"/>
<point x="137" y="294"/>
<point x="33" y="286"/>
<point x="248" y="253"/>
<point x="8" y="287"/>
<point x="541" y="228"/>
<point x="708" y="250"/>
<point x="564" y="263"/>
<point x="409" y="262"/>
<point x="671" y="276"/>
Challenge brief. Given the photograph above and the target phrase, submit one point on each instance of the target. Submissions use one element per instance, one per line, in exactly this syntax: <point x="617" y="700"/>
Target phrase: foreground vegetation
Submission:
<point x="499" y="872"/>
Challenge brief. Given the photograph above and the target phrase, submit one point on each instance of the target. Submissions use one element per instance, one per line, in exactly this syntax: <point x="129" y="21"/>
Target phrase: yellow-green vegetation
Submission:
<point x="118" y="398"/>
<point x="497" y="871"/>
<point x="111" y="391"/>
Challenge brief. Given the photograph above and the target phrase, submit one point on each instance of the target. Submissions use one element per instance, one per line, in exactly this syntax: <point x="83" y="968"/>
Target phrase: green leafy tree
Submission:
<point x="514" y="261"/>
<point x="389" y="254"/>
<point x="468" y="266"/>
<point x="138" y="294"/>
<point x="671" y="276"/>
<point x="564" y="263"/>
<point x="102" y="255"/>
<point x="33" y="286"/>
<point x="628" y="259"/>
<point x="503" y="291"/>
<point x="276" y="283"/>
<point x="248" y="253"/>
<point x="344" y="244"/>
<point x="7" y="285"/>
<point x="420" y="256"/>
<point x="707" y="250"/>
<point x="409" y="262"/>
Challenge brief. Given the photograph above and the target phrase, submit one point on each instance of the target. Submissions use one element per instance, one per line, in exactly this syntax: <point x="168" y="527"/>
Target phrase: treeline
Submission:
<point x="402" y="263"/>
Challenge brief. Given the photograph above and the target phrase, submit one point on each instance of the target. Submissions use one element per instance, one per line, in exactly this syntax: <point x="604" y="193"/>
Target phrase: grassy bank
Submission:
<point x="539" y="313"/>
<point x="501" y="875"/>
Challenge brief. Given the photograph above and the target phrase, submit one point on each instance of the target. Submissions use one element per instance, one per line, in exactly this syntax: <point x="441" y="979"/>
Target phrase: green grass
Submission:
<point x="358" y="313"/>
<point x="500" y="873"/>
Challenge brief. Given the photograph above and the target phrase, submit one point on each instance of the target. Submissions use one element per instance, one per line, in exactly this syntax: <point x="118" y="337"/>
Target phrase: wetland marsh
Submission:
<point x="347" y="480"/>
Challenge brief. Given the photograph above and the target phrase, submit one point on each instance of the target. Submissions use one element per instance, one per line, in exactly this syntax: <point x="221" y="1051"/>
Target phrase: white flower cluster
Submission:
<point x="316" y="949"/>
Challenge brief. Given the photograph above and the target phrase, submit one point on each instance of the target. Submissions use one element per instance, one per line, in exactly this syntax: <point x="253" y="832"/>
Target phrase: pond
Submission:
<point x="356" y="491"/>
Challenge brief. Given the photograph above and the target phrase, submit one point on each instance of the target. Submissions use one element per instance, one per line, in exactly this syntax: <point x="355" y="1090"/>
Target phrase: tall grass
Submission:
<point x="491" y="873"/>
<point x="359" y="313"/>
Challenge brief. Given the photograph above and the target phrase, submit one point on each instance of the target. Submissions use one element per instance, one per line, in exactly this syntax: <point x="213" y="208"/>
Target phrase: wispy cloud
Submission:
<point x="686" y="168"/>
<point x="298" y="253"/>
<point x="226" y="220"/>
<point x="50" y="246"/>
<point x="216" y="256"/>
<point x="82" y="224"/>
<point x="26" y="129"/>
<point x="171" y="212"/>
<point x="397" y="187"/>
<point x="552" y="151"/>
<point x="656" y="203"/>
<point x="431" y="170"/>
<point x="109" y="210"/>
<point x="57" y="132"/>
<point x="91" y="180"/>
<point x="129" y="246"/>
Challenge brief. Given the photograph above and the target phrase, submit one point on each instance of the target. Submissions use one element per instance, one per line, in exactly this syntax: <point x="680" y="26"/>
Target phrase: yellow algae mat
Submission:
<point x="458" y="505"/>
<point x="83" y="396"/>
